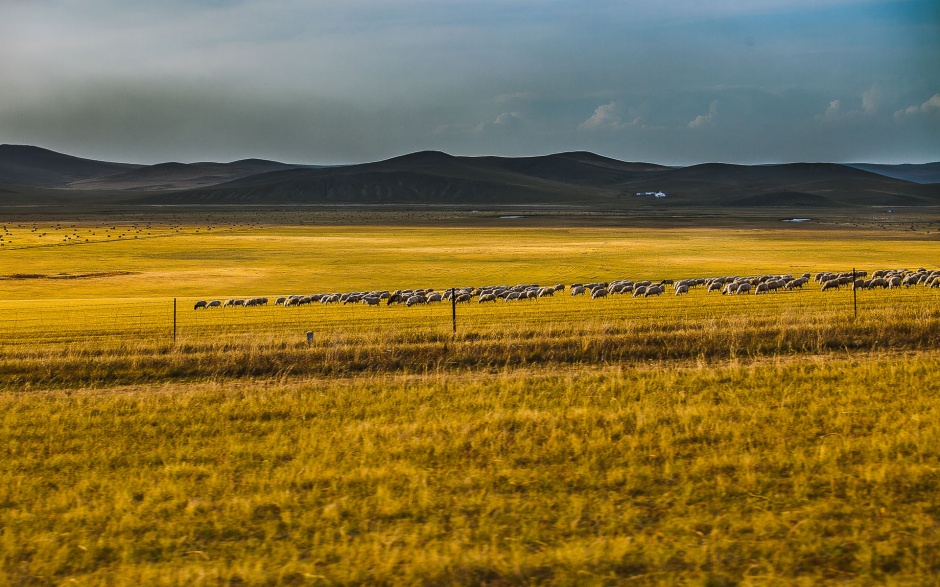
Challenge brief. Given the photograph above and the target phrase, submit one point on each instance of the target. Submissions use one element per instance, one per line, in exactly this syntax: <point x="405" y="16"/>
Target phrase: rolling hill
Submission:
<point x="23" y="165"/>
<point x="573" y="179"/>
<point x="918" y="173"/>
<point x="35" y="167"/>
<point x="178" y="176"/>
<point x="432" y="178"/>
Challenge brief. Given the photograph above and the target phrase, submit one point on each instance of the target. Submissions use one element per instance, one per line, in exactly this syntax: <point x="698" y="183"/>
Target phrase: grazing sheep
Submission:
<point x="682" y="289"/>
<point x="200" y="304"/>
<point x="761" y="288"/>
<point x="370" y="301"/>
<point x="228" y="303"/>
<point x="639" y="290"/>
<point x="894" y="282"/>
<point x="831" y="284"/>
<point x="280" y="301"/>
<point x="214" y="304"/>
<point x="434" y="297"/>
<point x="598" y="293"/>
<point x="743" y="288"/>
<point x="487" y="298"/>
<point x="546" y="292"/>
<point x="463" y="298"/>
<point x="715" y="286"/>
<point x="238" y="303"/>
<point x="654" y="290"/>
<point x="577" y="290"/>
<point x="416" y="299"/>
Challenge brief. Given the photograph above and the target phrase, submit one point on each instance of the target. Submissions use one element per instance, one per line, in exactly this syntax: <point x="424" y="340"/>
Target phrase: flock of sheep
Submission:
<point x="727" y="285"/>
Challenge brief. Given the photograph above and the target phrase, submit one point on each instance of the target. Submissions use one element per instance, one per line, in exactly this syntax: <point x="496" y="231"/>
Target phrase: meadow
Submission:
<point x="701" y="439"/>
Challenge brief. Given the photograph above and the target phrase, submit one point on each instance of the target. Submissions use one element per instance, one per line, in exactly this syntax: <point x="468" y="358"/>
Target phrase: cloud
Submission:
<point x="871" y="100"/>
<point x="506" y="118"/>
<point x="870" y="103"/>
<point x="834" y="111"/>
<point x="931" y="105"/>
<point x="703" y="120"/>
<point x="330" y="82"/>
<point x="605" y="117"/>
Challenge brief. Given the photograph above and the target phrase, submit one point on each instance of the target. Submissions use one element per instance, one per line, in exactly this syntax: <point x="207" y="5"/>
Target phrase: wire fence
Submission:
<point x="103" y="321"/>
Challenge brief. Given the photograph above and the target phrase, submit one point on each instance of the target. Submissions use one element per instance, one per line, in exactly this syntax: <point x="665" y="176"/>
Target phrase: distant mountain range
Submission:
<point x="28" y="166"/>
<point x="918" y="173"/>
<point x="434" y="178"/>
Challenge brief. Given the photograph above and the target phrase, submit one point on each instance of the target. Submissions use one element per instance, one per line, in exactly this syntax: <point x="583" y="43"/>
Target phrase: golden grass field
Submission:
<point x="702" y="439"/>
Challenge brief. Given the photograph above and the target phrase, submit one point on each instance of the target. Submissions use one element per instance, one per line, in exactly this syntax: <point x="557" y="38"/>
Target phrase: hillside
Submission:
<point x="919" y="173"/>
<point x="31" y="176"/>
<point x="178" y="176"/>
<point x="24" y="165"/>
<point x="573" y="179"/>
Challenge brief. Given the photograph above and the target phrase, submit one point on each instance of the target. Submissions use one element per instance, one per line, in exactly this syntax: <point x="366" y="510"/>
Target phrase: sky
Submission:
<point x="347" y="81"/>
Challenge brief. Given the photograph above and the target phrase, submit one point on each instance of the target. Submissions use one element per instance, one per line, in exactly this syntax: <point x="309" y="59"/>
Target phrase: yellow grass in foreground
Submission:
<point x="810" y="470"/>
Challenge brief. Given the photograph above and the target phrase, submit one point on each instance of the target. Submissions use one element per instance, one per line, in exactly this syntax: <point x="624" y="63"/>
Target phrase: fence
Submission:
<point x="95" y="322"/>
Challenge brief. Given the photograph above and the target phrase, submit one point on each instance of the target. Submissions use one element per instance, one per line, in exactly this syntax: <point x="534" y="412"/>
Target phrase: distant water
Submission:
<point x="798" y="220"/>
<point x="510" y="217"/>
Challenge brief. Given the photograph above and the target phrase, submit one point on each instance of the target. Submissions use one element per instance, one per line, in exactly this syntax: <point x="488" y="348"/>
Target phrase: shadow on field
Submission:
<point x="423" y="352"/>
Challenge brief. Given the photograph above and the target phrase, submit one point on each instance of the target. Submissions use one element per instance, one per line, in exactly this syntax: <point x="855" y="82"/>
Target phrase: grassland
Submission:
<point x="812" y="469"/>
<point x="694" y="440"/>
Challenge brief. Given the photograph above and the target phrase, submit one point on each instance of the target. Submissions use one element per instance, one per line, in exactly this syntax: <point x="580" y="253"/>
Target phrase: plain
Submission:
<point x="707" y="439"/>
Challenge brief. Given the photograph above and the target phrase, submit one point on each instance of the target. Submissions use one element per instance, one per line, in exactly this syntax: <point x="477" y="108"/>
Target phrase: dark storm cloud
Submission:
<point x="328" y="82"/>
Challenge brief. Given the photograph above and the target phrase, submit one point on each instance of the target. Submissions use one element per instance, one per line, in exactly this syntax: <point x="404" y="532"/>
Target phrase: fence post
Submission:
<point x="854" y="293"/>
<point x="174" y="320"/>
<point x="453" y="305"/>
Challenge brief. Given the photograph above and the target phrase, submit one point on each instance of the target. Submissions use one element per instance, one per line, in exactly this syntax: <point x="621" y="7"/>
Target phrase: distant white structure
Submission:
<point x="654" y="194"/>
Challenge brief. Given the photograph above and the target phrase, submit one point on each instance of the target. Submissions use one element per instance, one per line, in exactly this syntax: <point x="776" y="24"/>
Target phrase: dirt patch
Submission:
<point x="67" y="275"/>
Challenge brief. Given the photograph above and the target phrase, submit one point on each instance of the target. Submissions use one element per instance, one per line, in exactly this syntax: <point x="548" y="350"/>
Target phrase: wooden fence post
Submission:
<point x="453" y="305"/>
<point x="854" y="293"/>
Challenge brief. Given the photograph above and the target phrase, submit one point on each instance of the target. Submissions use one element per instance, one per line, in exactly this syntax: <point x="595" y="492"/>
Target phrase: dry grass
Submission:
<point x="694" y="440"/>
<point x="810" y="469"/>
<point x="127" y="342"/>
